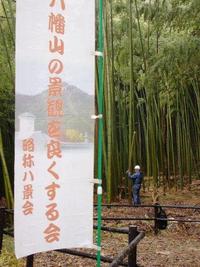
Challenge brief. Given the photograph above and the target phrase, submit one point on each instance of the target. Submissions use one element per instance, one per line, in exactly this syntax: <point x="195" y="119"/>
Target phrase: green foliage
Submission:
<point x="7" y="258"/>
<point x="73" y="135"/>
<point x="156" y="55"/>
<point x="7" y="96"/>
<point x="152" y="93"/>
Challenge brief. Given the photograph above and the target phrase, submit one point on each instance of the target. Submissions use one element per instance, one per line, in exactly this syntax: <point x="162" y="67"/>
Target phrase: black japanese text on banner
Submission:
<point x="54" y="131"/>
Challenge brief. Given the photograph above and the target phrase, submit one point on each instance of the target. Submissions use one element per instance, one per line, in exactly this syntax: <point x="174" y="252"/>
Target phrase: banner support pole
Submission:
<point x="100" y="129"/>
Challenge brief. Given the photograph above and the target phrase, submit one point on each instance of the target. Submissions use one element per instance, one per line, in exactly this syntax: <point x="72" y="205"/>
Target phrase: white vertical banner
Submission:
<point x="54" y="152"/>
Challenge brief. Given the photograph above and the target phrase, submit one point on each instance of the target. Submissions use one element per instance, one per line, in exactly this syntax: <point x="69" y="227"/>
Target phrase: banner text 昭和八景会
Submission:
<point x="54" y="155"/>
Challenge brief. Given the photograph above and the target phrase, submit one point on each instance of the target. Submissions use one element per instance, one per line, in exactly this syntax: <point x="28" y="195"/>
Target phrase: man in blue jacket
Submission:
<point x="137" y="178"/>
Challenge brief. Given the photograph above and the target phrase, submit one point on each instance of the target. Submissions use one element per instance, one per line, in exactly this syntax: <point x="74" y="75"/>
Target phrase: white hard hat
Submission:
<point x="137" y="167"/>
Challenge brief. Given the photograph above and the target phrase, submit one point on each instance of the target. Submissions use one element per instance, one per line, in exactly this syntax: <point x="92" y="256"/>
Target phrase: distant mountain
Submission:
<point x="78" y="108"/>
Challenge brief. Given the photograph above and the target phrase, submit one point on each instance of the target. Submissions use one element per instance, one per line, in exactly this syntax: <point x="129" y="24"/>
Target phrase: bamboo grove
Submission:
<point x="151" y="92"/>
<point x="7" y="44"/>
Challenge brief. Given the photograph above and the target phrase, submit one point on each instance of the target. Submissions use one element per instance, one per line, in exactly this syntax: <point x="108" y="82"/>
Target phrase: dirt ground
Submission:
<point x="178" y="246"/>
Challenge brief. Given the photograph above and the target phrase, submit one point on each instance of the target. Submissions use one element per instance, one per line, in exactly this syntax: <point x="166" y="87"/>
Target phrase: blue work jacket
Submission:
<point x="136" y="177"/>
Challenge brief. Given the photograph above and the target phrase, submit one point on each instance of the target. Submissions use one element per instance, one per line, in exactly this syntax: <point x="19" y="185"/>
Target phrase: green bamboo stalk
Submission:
<point x="11" y="11"/>
<point x="7" y="53"/>
<point x="131" y="96"/>
<point x="7" y="184"/>
<point x="108" y="118"/>
<point x="115" y="153"/>
<point x="9" y="16"/>
<point x="100" y="129"/>
<point x="140" y="34"/>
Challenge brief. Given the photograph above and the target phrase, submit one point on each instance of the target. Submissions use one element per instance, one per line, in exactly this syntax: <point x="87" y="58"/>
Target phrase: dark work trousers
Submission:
<point x="136" y="194"/>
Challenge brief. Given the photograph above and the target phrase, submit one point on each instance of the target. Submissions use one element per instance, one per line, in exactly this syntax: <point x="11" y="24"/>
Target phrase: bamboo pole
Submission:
<point x="100" y="128"/>
<point x="7" y="184"/>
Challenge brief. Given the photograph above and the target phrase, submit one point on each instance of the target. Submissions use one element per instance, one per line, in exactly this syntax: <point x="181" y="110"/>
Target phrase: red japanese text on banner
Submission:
<point x="54" y="151"/>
